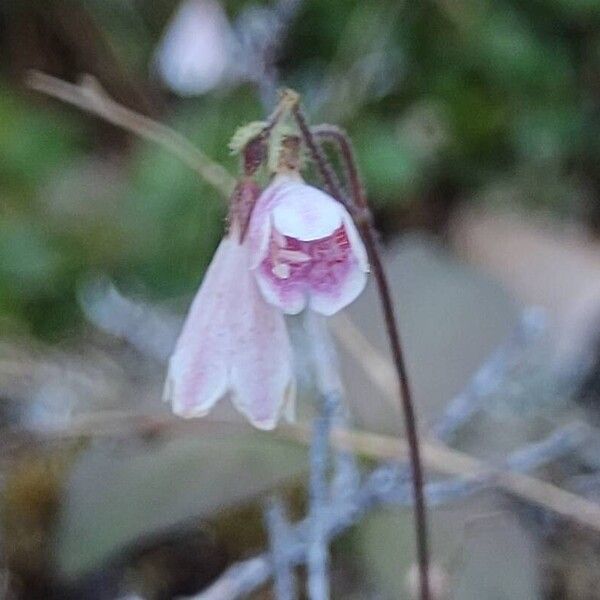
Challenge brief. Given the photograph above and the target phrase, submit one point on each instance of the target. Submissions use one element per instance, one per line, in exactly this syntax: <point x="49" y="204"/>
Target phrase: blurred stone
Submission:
<point x="119" y="493"/>
<point x="542" y="263"/>
<point x="451" y="318"/>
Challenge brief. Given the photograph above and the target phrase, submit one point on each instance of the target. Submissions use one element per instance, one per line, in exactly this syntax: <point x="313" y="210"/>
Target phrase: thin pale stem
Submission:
<point x="279" y="538"/>
<point x="90" y="96"/>
<point x="329" y="387"/>
<point x="359" y="208"/>
<point x="317" y="554"/>
<point x="384" y="488"/>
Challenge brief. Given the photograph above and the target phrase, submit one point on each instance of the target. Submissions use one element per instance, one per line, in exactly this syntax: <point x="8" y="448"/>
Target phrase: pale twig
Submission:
<point x="488" y="378"/>
<point x="329" y="389"/>
<point x="91" y="97"/>
<point x="442" y="459"/>
<point x="317" y="553"/>
<point x="240" y="579"/>
<point x="439" y="458"/>
<point x="383" y="486"/>
<point x="280" y="537"/>
<point x="260" y="35"/>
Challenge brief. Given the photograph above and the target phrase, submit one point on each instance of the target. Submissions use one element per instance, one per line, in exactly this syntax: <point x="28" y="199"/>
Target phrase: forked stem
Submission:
<point x="360" y="210"/>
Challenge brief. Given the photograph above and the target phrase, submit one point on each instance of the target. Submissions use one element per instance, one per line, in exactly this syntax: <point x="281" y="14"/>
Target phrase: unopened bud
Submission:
<point x="242" y="203"/>
<point x="255" y="152"/>
<point x="289" y="154"/>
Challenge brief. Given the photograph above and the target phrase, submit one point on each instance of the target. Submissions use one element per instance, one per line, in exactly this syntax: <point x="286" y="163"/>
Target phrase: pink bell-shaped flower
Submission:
<point x="232" y="342"/>
<point x="305" y="249"/>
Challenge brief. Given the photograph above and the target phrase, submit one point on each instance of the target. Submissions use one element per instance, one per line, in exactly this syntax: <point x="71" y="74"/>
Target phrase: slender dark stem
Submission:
<point x="330" y="179"/>
<point x="359" y="209"/>
<point x="412" y="437"/>
<point x="331" y="133"/>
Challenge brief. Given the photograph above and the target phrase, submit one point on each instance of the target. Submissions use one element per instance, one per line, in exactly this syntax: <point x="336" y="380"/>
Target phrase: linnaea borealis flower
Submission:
<point x="232" y="342"/>
<point x="305" y="249"/>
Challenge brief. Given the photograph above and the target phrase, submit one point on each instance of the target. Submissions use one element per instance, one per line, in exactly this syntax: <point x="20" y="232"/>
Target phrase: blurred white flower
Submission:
<point x="201" y="49"/>
<point x="194" y="54"/>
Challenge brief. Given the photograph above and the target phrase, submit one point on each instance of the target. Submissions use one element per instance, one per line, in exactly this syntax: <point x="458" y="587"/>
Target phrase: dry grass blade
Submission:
<point x="91" y="97"/>
<point x="437" y="457"/>
<point x="442" y="459"/>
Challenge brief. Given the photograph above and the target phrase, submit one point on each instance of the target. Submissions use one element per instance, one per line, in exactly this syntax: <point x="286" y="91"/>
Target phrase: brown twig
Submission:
<point x="90" y="96"/>
<point x="360" y="211"/>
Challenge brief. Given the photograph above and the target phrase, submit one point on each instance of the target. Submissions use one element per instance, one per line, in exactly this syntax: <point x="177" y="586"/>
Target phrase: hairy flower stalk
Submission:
<point x="233" y="342"/>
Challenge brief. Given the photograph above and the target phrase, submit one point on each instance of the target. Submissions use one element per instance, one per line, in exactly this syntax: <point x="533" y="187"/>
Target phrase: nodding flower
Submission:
<point x="232" y="343"/>
<point x="304" y="248"/>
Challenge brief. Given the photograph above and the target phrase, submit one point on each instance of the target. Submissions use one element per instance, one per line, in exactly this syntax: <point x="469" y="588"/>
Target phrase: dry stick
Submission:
<point x="441" y="458"/>
<point x="328" y="384"/>
<point x="446" y="460"/>
<point x="90" y="96"/>
<point x="360" y="210"/>
<point x="436" y="456"/>
<point x="381" y="487"/>
<point x="280" y="535"/>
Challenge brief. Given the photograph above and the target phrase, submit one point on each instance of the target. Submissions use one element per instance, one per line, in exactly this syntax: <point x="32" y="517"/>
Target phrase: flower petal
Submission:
<point x="288" y="296"/>
<point x="262" y="379"/>
<point x="259" y="228"/>
<point x="327" y="300"/>
<point x="198" y="369"/>
<point x="309" y="223"/>
<point x="296" y="209"/>
<point x="305" y="213"/>
<point x="356" y="243"/>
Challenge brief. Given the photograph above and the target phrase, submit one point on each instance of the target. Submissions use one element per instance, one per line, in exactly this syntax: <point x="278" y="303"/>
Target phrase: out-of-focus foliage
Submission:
<point x="445" y="100"/>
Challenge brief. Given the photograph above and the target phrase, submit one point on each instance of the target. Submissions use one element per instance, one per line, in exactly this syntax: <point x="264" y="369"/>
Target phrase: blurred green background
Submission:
<point x="447" y="102"/>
